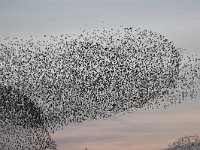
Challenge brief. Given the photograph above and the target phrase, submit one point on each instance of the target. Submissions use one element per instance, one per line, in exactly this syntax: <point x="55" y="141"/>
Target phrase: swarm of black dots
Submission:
<point x="185" y="143"/>
<point x="51" y="81"/>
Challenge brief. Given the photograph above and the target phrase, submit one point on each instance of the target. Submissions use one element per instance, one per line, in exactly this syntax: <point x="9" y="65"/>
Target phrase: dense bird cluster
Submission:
<point x="14" y="137"/>
<point x="54" y="81"/>
<point x="18" y="109"/>
<point x="186" y="143"/>
<point x="22" y="123"/>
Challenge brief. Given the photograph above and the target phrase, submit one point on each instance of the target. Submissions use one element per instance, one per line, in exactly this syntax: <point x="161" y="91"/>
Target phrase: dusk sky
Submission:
<point x="178" y="20"/>
<point x="140" y="130"/>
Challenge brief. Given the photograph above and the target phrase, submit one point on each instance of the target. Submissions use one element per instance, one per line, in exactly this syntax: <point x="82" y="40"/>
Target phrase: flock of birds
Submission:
<point x="185" y="143"/>
<point x="52" y="81"/>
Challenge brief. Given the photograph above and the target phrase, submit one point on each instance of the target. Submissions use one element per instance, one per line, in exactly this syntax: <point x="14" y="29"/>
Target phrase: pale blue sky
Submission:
<point x="178" y="19"/>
